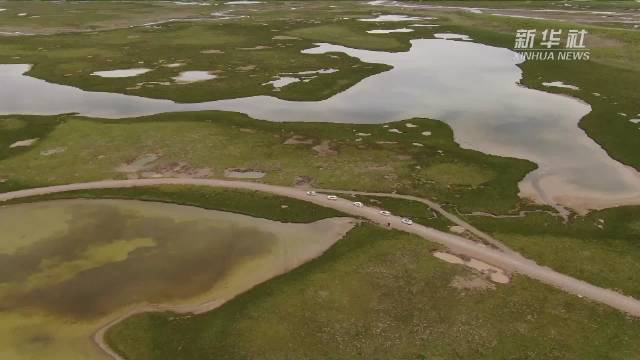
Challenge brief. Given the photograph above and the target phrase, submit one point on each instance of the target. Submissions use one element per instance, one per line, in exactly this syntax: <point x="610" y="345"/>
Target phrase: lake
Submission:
<point x="472" y="87"/>
<point x="68" y="267"/>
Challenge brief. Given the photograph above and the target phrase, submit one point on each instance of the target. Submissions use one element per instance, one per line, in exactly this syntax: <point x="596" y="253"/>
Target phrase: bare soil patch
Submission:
<point x="471" y="283"/>
<point x="324" y="149"/>
<point x="298" y="139"/>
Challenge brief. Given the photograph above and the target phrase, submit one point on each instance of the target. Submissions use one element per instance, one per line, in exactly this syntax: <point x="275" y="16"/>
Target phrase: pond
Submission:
<point x="68" y="267"/>
<point x="472" y="87"/>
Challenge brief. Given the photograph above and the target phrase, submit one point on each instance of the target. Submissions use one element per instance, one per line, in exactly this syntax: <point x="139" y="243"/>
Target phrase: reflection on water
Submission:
<point x="472" y="87"/>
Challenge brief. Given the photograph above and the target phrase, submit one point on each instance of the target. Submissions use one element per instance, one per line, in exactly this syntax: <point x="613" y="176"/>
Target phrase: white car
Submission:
<point x="358" y="204"/>
<point x="385" y="213"/>
<point x="407" y="221"/>
<point x="332" y="197"/>
<point x="312" y="193"/>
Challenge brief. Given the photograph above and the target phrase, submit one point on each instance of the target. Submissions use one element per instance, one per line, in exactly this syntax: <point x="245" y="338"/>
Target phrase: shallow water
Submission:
<point x="450" y="36"/>
<point x="388" y="31"/>
<point x="282" y="81"/>
<point x="193" y="76"/>
<point x="69" y="266"/>
<point x="241" y="2"/>
<point x="560" y="84"/>
<point x="381" y="18"/>
<point x="121" y="73"/>
<point x="480" y="99"/>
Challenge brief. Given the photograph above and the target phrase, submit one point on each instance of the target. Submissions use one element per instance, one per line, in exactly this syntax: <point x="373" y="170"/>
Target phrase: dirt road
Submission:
<point x="437" y="208"/>
<point x="506" y="260"/>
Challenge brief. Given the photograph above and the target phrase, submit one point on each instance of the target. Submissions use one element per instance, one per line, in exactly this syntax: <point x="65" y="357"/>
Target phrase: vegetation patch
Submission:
<point x="246" y="59"/>
<point x="458" y="174"/>
<point x="351" y="35"/>
<point x="380" y="294"/>
<point x="205" y="144"/>
<point x="601" y="248"/>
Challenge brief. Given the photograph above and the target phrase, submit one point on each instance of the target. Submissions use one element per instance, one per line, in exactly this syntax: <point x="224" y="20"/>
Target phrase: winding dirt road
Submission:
<point x="437" y="208"/>
<point x="507" y="260"/>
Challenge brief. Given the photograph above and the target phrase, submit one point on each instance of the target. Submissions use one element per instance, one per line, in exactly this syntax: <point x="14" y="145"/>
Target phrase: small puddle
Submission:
<point x="173" y="65"/>
<point x="121" y="73"/>
<point x="193" y="76"/>
<point x="282" y="81"/>
<point x="311" y="72"/>
<point x="383" y="18"/>
<point x="243" y="2"/>
<point x="387" y="31"/>
<point x="560" y="84"/>
<point x="450" y="36"/>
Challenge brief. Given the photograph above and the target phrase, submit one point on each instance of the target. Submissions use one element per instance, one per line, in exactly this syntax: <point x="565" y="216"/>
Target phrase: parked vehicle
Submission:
<point x="385" y="213"/>
<point x="358" y="204"/>
<point x="332" y="197"/>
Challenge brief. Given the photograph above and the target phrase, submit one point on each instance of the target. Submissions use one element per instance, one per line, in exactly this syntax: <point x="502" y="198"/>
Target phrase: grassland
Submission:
<point x="206" y="144"/>
<point x="51" y="17"/>
<point x="601" y="248"/>
<point x="244" y="55"/>
<point x="378" y="295"/>
<point x="466" y="179"/>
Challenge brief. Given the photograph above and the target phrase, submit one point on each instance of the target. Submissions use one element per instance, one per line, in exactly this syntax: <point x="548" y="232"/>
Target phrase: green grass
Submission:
<point x="54" y="17"/>
<point x="242" y="69"/>
<point x="606" y="256"/>
<point x="458" y="174"/>
<point x="71" y="59"/>
<point x="379" y="294"/>
<point x="16" y="128"/>
<point x="353" y="34"/>
<point x="252" y="203"/>
<point x="188" y="143"/>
